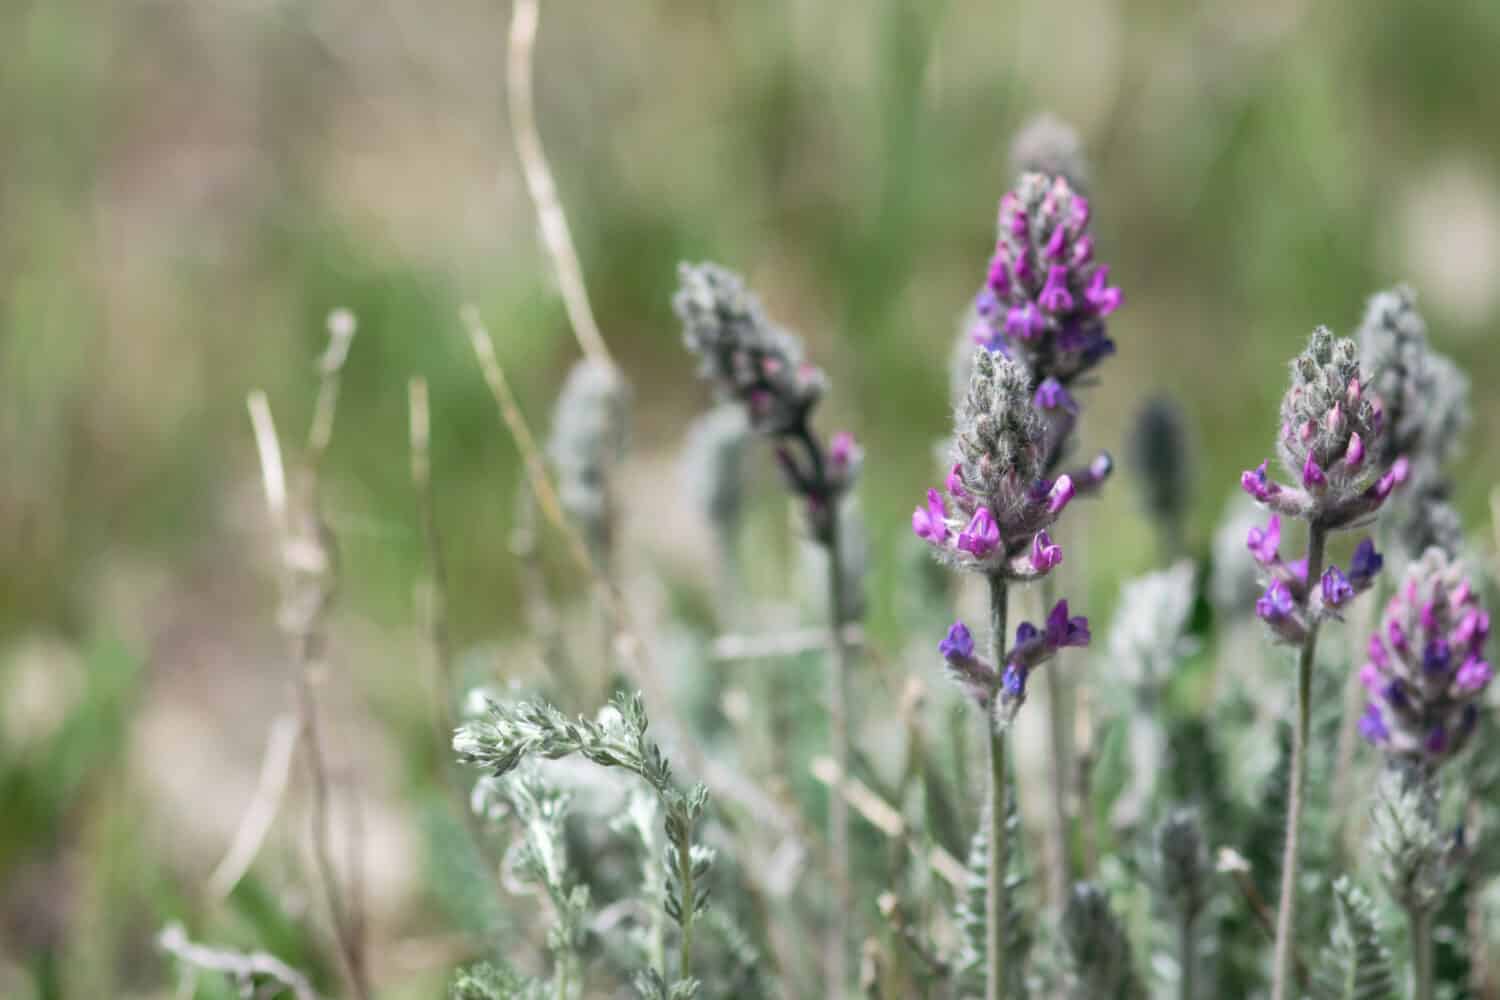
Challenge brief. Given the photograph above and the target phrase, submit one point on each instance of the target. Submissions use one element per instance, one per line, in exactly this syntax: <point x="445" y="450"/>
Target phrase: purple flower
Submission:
<point x="1257" y="484"/>
<point x="1393" y="477"/>
<point x="1364" y="564"/>
<point x="931" y="522"/>
<point x="1014" y="682"/>
<point x="1025" y="632"/>
<point x="1337" y="590"/>
<point x="1057" y="244"/>
<point x="1062" y="491"/>
<point x="1051" y="395"/>
<point x="981" y="536"/>
<point x="1044" y="554"/>
<point x="1055" y="297"/>
<point x="1265" y="542"/>
<point x="1313" y="476"/>
<point x="1472" y="630"/>
<point x="1083" y="251"/>
<point x="1064" y="631"/>
<point x="1025" y="322"/>
<point x="1372" y="726"/>
<point x="1437" y="739"/>
<point x="1437" y="657"/>
<point x="1354" y="455"/>
<point x="1369" y="677"/>
<point x="1100" y="295"/>
<point x="958" y="644"/>
<point x="1377" y="653"/>
<point x="1276" y="603"/>
<point x="998" y="280"/>
<point x="1473" y="676"/>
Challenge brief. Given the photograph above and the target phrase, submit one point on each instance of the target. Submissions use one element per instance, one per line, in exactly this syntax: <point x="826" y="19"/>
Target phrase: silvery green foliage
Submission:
<point x="1235" y="582"/>
<point x="590" y="427"/>
<point x="971" y="962"/>
<point x="1182" y="863"/>
<point x="1147" y="636"/>
<point x="1048" y="145"/>
<point x="1355" y="964"/>
<point x="1099" y="962"/>
<point x="713" y="465"/>
<point x="1161" y="454"/>
<point x="1146" y="641"/>
<point x="507" y="734"/>
<point x="649" y="985"/>
<point x="487" y="981"/>
<point x="1406" y="840"/>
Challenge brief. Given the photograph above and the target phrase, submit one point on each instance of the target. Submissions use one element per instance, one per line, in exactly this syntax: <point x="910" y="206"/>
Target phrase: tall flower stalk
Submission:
<point x="1044" y="304"/>
<point x="1425" y="679"/>
<point x="1001" y="507"/>
<point x="756" y="364"/>
<point x="1330" y="441"/>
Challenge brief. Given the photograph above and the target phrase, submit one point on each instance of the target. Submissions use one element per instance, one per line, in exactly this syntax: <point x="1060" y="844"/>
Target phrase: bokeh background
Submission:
<point x="187" y="188"/>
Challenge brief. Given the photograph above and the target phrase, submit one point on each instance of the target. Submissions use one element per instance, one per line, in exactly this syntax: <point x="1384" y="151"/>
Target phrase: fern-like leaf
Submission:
<point x="1356" y="964"/>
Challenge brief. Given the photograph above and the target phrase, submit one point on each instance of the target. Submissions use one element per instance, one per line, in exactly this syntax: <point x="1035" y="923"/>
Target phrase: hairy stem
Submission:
<point x="1062" y="768"/>
<point x="838" y="736"/>
<point x="1419" y="919"/>
<point x="996" y="898"/>
<point x="1286" y="915"/>
<point x="688" y="904"/>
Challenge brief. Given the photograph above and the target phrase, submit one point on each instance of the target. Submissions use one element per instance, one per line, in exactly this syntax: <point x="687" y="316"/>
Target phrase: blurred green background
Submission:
<point x="187" y="188"/>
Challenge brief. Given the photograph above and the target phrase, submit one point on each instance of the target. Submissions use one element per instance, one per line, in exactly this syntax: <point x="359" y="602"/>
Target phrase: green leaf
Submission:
<point x="1355" y="965"/>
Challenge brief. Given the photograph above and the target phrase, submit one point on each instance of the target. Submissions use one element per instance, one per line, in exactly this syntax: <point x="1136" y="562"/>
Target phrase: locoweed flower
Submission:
<point x="1003" y="691"/>
<point x="1426" y="672"/>
<point x="1288" y="604"/>
<point x="998" y="504"/>
<point x="752" y="362"/>
<point x="1330" y="424"/>
<point x="1045" y="299"/>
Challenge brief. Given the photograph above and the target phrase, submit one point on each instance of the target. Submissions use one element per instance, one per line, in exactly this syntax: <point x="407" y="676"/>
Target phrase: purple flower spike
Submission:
<point x="1354" y="455"/>
<point x="1258" y="484"/>
<point x="958" y="644"/>
<point x="1337" y="590"/>
<point x="931" y="522"/>
<point x="1025" y="322"/>
<point x="1062" y="492"/>
<point x="1044" y="553"/>
<point x="1055" y="297"/>
<point x="1312" y="473"/>
<point x="1372" y="726"/>
<point x="1364" y="564"/>
<point x="981" y="536"/>
<point x="1264" y="542"/>
<point x="1276" y="603"/>
<point x="1473" y="676"/>
<point x="1051" y="395"/>
<point x="1100" y="295"/>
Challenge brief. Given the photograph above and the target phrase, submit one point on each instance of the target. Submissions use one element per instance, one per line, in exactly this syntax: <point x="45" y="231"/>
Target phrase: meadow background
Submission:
<point x="187" y="188"/>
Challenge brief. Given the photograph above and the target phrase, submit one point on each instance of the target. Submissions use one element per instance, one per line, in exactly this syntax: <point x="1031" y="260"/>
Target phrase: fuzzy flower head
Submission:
<point x="1331" y="427"/>
<point x="1427" y="673"/>
<point x="1045" y="299"/>
<point x="992" y="514"/>
<point x="1049" y="146"/>
<point x="745" y="356"/>
<point x="590" y="426"/>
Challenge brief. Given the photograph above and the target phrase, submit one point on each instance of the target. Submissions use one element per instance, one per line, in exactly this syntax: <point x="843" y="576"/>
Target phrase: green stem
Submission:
<point x="997" y="899"/>
<point x="688" y="904"/>
<point x="838" y="738"/>
<point x="1420" y="922"/>
<point x="1187" y="956"/>
<point x="1286" y="915"/>
<point x="1062" y="765"/>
